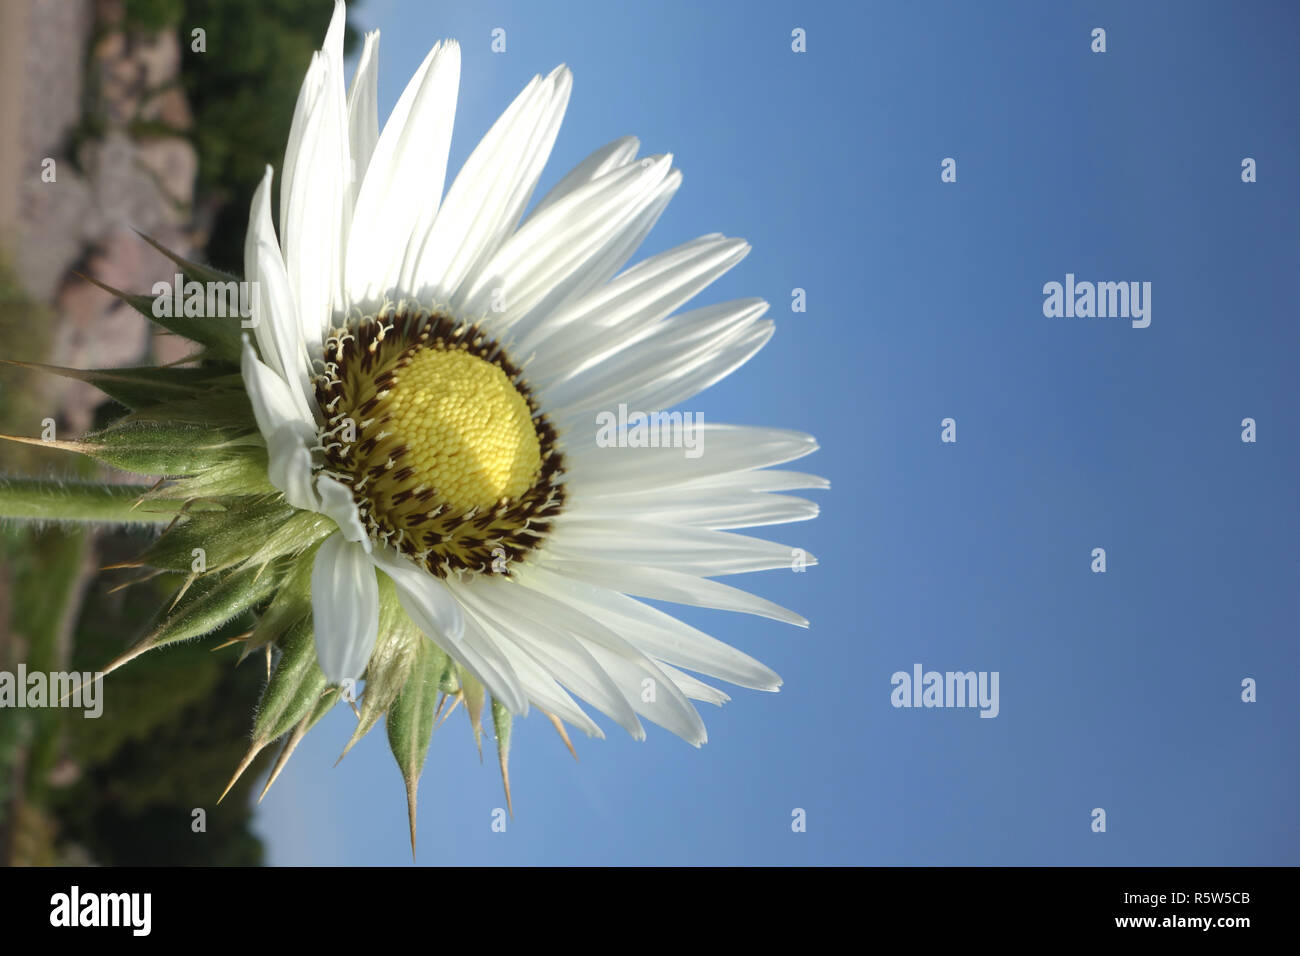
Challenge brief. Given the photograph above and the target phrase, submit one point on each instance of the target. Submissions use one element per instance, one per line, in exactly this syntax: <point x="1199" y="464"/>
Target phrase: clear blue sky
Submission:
<point x="1118" y="690"/>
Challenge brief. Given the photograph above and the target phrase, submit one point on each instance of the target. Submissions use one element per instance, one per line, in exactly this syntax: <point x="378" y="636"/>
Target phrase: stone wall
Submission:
<point x="104" y="104"/>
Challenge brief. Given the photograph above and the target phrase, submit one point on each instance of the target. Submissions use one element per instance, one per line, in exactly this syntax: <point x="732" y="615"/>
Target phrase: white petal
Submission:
<point x="345" y="608"/>
<point x="432" y="605"/>
<point x="640" y="342"/>
<point x="316" y="197"/>
<point x="730" y="448"/>
<point x="285" y="327"/>
<point x="308" y="95"/>
<point x="337" y="502"/>
<point x="487" y="661"/>
<point x="665" y="584"/>
<point x="363" y="109"/>
<point x="608" y="158"/>
<point x="630" y="669"/>
<point x="771" y="479"/>
<point x="333" y="45"/>
<point x="704" y="367"/>
<point x="257" y="226"/>
<point x="541" y="688"/>
<point x="551" y="698"/>
<point x="623" y="240"/>
<point x="439" y="614"/>
<point x="289" y="464"/>
<point x="260" y="229"/>
<point x="274" y="313"/>
<point x="736" y="499"/>
<point x="524" y="618"/>
<point x="541" y="616"/>
<point x="288" y="436"/>
<point x="400" y="194"/>
<point x="272" y="399"/>
<point x="550" y="248"/>
<point x="694" y="688"/>
<point x="664" y="371"/>
<point x="629" y="307"/>
<point x="617" y="249"/>
<point x="490" y="192"/>
<point x="316" y="85"/>
<point x="719" y="511"/>
<point x="658" y="634"/>
<point x="692" y="550"/>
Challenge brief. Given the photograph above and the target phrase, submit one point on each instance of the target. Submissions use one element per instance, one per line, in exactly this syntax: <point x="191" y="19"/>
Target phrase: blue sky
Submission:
<point x="1119" y="690"/>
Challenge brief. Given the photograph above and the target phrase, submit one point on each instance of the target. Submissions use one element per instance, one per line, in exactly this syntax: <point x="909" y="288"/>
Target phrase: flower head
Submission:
<point x="433" y="484"/>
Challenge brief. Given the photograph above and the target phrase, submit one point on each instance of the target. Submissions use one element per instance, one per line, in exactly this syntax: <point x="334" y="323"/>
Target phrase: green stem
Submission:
<point x="37" y="500"/>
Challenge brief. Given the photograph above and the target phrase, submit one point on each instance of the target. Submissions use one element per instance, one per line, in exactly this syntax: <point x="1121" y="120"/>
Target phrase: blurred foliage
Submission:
<point x="20" y="319"/>
<point x="122" y="789"/>
<point x="153" y="15"/>
<point x="40" y="575"/>
<point x="22" y="391"/>
<point x="173" y="728"/>
<point x="45" y="572"/>
<point x="242" y="92"/>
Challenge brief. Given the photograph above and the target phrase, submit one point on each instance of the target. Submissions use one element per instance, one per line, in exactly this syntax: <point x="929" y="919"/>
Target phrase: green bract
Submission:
<point x="241" y="548"/>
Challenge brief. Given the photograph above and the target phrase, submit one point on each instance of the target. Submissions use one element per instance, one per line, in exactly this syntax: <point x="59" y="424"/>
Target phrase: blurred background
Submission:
<point x="1120" y="691"/>
<point x="111" y="122"/>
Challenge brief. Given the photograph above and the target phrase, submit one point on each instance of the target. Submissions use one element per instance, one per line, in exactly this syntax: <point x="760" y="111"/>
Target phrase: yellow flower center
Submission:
<point x="467" y="430"/>
<point x="448" y="456"/>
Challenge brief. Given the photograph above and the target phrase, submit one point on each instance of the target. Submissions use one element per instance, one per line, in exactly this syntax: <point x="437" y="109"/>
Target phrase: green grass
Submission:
<point x="39" y="571"/>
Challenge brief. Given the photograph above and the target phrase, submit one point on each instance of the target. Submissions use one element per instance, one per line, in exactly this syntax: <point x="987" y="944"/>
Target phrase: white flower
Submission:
<point x="428" y="374"/>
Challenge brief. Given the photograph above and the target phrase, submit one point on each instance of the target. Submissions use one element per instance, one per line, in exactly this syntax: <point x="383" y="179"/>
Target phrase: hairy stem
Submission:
<point x="34" y="499"/>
